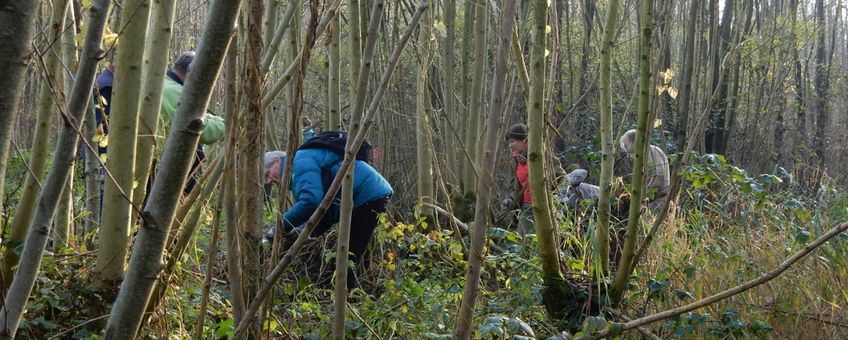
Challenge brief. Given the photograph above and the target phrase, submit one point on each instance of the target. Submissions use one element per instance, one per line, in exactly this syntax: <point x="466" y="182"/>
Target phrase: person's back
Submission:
<point x="312" y="173"/>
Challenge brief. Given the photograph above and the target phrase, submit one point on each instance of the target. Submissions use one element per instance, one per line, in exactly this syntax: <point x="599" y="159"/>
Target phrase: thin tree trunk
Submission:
<point x="40" y="141"/>
<point x="234" y="275"/>
<point x="716" y="134"/>
<point x="252" y="147"/>
<point x="64" y="231"/>
<point x="63" y="158"/>
<point x="424" y="154"/>
<point x="555" y="292"/>
<point x="622" y="276"/>
<point x="449" y="90"/>
<point x="278" y="34"/>
<point x="355" y="48"/>
<point x="822" y="86"/>
<point x="464" y="320"/>
<point x="16" y="31"/>
<point x="156" y="64"/>
<point x="476" y="100"/>
<point x="607" y="138"/>
<point x="120" y="157"/>
<point x="146" y="260"/>
<point x="334" y="111"/>
<point x="211" y="254"/>
<point x="343" y="238"/>
<point x="686" y="77"/>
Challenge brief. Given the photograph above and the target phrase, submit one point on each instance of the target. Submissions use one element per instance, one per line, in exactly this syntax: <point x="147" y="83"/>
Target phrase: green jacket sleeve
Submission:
<point x="213" y="129"/>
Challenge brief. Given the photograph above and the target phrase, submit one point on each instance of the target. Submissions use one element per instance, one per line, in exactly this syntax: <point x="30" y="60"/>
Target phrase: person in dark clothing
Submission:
<point x="103" y="101"/>
<point x="313" y="171"/>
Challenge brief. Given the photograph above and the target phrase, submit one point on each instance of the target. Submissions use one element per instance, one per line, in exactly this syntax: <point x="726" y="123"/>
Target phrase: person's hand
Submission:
<point x="507" y="202"/>
<point x="293" y="234"/>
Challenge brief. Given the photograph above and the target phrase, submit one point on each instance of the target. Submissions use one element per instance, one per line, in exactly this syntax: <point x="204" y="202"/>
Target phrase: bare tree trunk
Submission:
<point x="424" y="153"/>
<point x="334" y="111"/>
<point x="822" y="86"/>
<point x="622" y="275"/>
<point x="146" y="260"/>
<point x="585" y="74"/>
<point x="16" y="30"/>
<point x="449" y="89"/>
<point x="355" y="47"/>
<point x="234" y="275"/>
<point x="120" y="157"/>
<point x="464" y="319"/>
<point x="64" y="230"/>
<point x="48" y="100"/>
<point x="556" y="293"/>
<point x="343" y="239"/>
<point x="716" y="135"/>
<point x="686" y="77"/>
<point x="475" y="101"/>
<point x="63" y="158"/>
<point x="156" y="63"/>
<point x="251" y="177"/>
<point x="607" y="138"/>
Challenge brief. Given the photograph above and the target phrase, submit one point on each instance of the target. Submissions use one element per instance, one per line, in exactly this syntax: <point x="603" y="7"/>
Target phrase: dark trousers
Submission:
<point x="363" y="220"/>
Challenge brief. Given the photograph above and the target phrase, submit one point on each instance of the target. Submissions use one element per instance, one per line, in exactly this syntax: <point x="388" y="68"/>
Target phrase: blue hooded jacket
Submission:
<point x="313" y="172"/>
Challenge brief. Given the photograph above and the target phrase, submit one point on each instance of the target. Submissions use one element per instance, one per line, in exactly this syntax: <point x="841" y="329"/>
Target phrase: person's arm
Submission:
<point x="307" y="189"/>
<point x="213" y="129"/>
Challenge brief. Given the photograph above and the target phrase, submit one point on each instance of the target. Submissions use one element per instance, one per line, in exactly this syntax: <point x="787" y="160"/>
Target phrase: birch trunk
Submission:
<point x="120" y="157"/>
<point x="622" y="275"/>
<point x="146" y="260"/>
<point x="40" y="142"/>
<point x="16" y="31"/>
<point x="63" y="158"/>
<point x="464" y="319"/>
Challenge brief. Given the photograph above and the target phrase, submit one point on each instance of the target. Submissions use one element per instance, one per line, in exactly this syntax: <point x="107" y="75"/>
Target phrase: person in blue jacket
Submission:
<point x="313" y="171"/>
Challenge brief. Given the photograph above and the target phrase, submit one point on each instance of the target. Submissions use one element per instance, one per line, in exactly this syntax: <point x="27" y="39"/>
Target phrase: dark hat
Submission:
<point x="517" y="131"/>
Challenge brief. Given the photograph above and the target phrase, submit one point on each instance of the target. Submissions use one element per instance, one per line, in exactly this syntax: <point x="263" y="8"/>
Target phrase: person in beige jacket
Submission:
<point x="656" y="171"/>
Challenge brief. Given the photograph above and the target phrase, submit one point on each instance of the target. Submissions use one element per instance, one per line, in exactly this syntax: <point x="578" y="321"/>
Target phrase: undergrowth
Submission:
<point x="728" y="228"/>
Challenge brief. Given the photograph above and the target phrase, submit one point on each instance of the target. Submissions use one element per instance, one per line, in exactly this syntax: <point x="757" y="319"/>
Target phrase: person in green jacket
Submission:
<point x="213" y="129"/>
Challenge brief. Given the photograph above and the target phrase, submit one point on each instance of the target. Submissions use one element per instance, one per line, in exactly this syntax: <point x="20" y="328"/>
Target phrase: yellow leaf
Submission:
<point x="135" y="184"/>
<point x="103" y="142"/>
<point x="657" y="123"/>
<point x="547" y="52"/>
<point x="103" y="158"/>
<point x="661" y="89"/>
<point x="672" y="92"/>
<point x="667" y="75"/>
<point x="548" y="29"/>
<point x="109" y="38"/>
